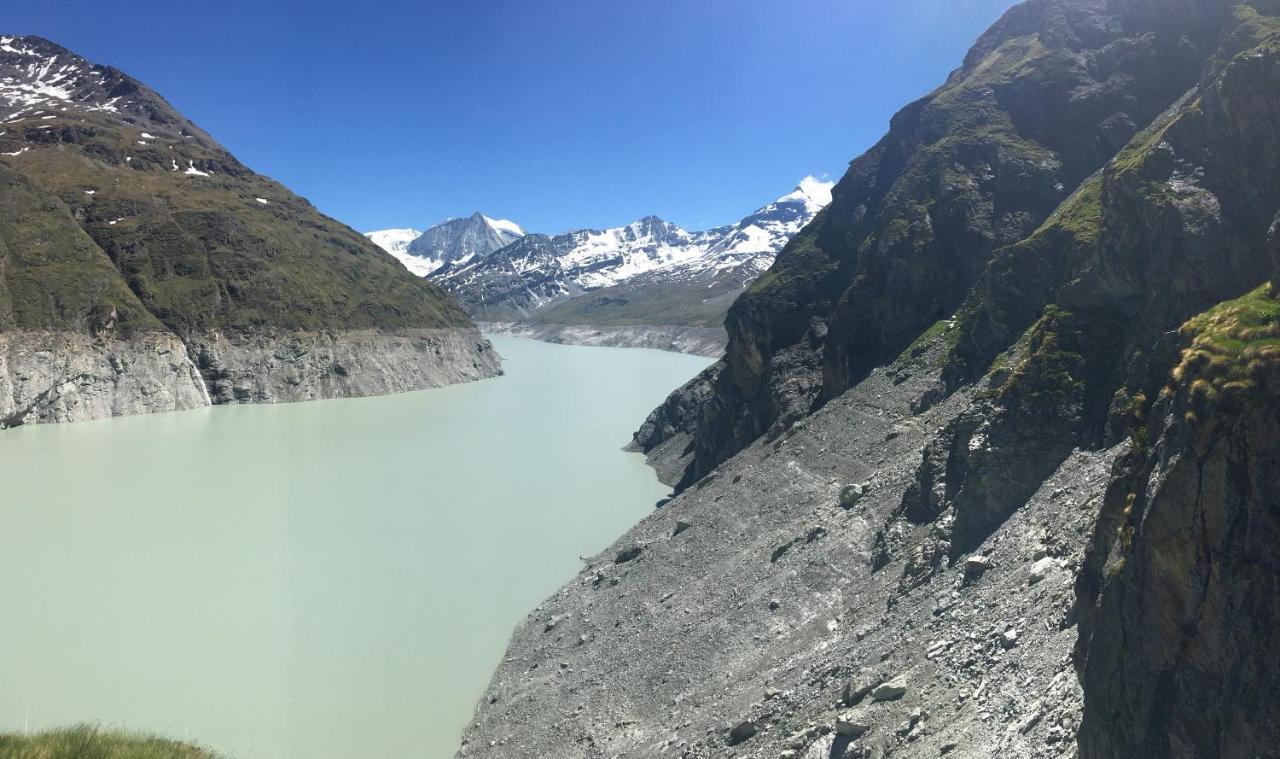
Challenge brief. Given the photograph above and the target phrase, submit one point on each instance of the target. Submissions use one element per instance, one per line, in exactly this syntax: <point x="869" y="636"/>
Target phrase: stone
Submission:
<point x="1009" y="639"/>
<point x="742" y="731"/>
<point x="680" y="527"/>
<point x="890" y="691"/>
<point x="854" y="692"/>
<point x="852" y="725"/>
<point x="851" y="494"/>
<point x="1041" y="570"/>
<point x="976" y="564"/>
<point x="628" y="554"/>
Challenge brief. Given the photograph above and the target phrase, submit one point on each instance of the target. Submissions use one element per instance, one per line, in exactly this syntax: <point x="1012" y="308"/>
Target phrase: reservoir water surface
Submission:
<point x="313" y="580"/>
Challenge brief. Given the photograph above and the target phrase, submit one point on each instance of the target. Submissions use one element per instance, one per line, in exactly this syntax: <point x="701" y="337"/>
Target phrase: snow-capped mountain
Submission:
<point x="449" y="242"/>
<point x="396" y="242"/>
<point x="538" y="271"/>
<point x="456" y="241"/>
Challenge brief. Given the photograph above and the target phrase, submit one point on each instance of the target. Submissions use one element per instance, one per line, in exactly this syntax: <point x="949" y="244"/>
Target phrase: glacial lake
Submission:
<point x="312" y="580"/>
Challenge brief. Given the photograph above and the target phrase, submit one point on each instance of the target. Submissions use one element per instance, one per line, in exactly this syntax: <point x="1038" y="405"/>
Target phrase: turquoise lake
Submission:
<point x="312" y="580"/>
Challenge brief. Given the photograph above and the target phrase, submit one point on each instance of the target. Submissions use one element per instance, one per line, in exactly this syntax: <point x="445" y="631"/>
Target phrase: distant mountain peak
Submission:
<point x="536" y="271"/>
<point x="452" y="241"/>
<point x="505" y="225"/>
<point x="810" y="190"/>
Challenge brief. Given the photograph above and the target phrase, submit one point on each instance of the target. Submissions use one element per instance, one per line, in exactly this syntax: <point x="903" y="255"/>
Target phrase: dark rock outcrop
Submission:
<point x="1178" y="646"/>
<point x="1042" y="101"/>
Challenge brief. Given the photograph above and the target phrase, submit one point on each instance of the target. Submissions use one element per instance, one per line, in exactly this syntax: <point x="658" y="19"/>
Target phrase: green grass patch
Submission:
<point x="89" y="742"/>
<point x="195" y="239"/>
<point x="940" y="328"/>
<point x="1231" y="347"/>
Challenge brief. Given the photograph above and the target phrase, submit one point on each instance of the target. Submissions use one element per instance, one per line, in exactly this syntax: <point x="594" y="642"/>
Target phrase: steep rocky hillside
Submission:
<point x="142" y="267"/>
<point x="988" y="468"/>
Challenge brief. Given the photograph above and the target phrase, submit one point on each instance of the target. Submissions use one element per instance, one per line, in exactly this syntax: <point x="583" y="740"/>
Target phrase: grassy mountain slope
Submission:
<point x="200" y="240"/>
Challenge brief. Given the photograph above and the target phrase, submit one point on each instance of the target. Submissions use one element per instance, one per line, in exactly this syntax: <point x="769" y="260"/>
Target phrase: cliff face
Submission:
<point x="1043" y="100"/>
<point x="989" y="467"/>
<point x="120" y="220"/>
<point x="1178" y="644"/>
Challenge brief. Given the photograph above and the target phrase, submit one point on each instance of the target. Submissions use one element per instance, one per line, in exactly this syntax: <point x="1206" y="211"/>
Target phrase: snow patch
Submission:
<point x="504" y="225"/>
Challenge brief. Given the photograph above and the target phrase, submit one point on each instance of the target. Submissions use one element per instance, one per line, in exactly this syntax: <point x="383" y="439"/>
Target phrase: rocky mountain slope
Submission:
<point x="143" y="268"/>
<point x="987" y="469"/>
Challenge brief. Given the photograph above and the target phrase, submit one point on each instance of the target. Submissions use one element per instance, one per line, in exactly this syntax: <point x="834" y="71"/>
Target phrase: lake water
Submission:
<point x="328" y="579"/>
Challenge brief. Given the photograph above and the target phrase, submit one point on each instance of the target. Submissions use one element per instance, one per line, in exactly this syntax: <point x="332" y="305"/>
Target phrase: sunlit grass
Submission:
<point x="91" y="742"/>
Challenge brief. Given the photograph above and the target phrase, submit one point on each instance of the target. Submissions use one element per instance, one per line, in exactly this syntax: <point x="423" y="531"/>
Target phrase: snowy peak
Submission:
<point x="453" y="241"/>
<point x="504" y="225"/>
<point x="538" y="270"/>
<point x="754" y="241"/>
<point x="393" y="240"/>
<point x="396" y="242"/>
<point x="812" y="192"/>
<point x="460" y="240"/>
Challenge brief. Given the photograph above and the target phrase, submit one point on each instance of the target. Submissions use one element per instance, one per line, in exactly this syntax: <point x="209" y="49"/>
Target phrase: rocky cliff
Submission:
<point x="130" y="242"/>
<point x="987" y="469"/>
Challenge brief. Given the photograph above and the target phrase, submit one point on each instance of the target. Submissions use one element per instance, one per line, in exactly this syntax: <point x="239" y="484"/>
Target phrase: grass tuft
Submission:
<point x="92" y="742"/>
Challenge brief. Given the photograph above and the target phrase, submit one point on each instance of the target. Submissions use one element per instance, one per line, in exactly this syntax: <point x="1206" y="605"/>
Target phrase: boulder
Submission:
<point x="1041" y="570"/>
<point x="890" y="691"/>
<point x="852" y="725"/>
<point x="742" y="731"/>
<point x="627" y="554"/>
<point x="976" y="565"/>
<point x="851" y="494"/>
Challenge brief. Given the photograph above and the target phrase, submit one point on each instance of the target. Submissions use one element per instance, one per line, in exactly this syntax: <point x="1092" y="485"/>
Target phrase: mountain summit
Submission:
<point x="456" y="241"/>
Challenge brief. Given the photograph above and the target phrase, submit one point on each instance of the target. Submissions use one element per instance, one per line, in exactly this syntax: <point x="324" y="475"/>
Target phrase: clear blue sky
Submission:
<point x="554" y="113"/>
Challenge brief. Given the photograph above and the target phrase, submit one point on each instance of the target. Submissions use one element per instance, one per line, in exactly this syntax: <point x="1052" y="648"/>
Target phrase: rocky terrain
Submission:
<point x="143" y="268"/>
<point x="697" y="341"/>
<point x="987" y="469"/>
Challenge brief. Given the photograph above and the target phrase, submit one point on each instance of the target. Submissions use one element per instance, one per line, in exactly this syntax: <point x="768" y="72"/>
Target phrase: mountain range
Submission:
<point x="144" y="268"/>
<point x="648" y="274"/>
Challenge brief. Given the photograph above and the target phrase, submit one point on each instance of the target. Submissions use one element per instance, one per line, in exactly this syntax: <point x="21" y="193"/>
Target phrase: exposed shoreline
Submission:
<point x="698" y="341"/>
<point x="51" y="376"/>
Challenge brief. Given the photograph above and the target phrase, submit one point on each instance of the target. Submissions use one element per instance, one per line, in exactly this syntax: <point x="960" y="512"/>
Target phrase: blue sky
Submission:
<point x="555" y="113"/>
